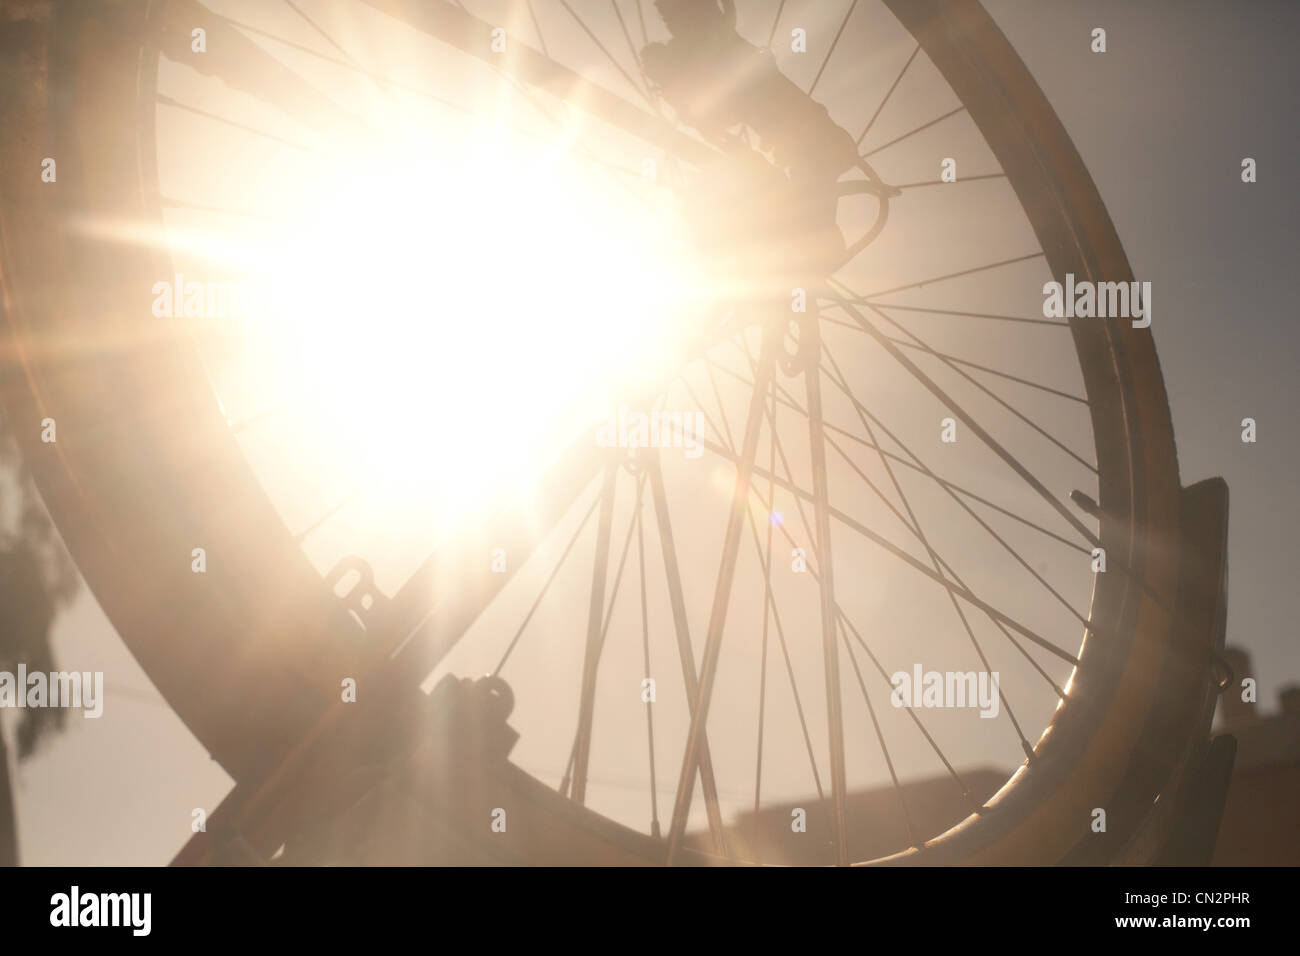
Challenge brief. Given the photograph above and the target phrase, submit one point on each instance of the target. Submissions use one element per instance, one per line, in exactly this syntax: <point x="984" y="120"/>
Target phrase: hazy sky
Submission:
<point x="1163" y="119"/>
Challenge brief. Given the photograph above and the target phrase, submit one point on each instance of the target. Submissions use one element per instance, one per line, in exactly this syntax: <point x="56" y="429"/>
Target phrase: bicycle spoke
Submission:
<point x="794" y="686"/>
<point x="608" y="55"/>
<point x="537" y="27"/>
<point x="721" y="599"/>
<point x="386" y="82"/>
<point x="640" y="19"/>
<point x="856" y="299"/>
<point x="437" y="604"/>
<point x="916" y="528"/>
<point x="973" y="425"/>
<point x="169" y="101"/>
<point x="945" y="567"/>
<point x="843" y="618"/>
<point x="830" y="642"/>
<point x="975" y="365"/>
<point x="765" y="558"/>
<point x="952" y="361"/>
<point x="595" y="639"/>
<point x="645" y="656"/>
<point x="934" y="574"/>
<point x="936" y="562"/>
<point x="922" y="346"/>
<point x="776" y="22"/>
<point x="717" y="397"/>
<point x="786" y="400"/>
<point x="920" y="724"/>
<point x="864" y="414"/>
<point x="831" y="52"/>
<point x="302" y="535"/>
<point x="961" y="592"/>
<point x="473" y="36"/>
<point x="243" y="65"/>
<point x="631" y="49"/>
<point x="972" y="315"/>
<point x="910" y="133"/>
<point x="889" y="93"/>
<point x="320" y="30"/>
<point x="681" y="626"/>
<point x="582" y="525"/>
<point x="880" y="738"/>
<point x="944" y="182"/>
<point x="767" y="616"/>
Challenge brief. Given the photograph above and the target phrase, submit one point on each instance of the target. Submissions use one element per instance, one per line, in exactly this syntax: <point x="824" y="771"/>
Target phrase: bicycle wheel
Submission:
<point x="147" y="466"/>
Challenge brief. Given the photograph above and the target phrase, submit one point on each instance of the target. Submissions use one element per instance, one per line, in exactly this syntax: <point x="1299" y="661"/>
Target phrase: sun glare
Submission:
<point x="459" y="311"/>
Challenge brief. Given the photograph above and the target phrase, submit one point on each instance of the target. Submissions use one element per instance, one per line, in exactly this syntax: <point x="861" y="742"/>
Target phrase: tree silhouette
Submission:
<point x="37" y="578"/>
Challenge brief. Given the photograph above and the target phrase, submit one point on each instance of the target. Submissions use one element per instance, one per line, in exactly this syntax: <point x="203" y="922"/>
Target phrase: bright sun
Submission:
<point x="458" y="312"/>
